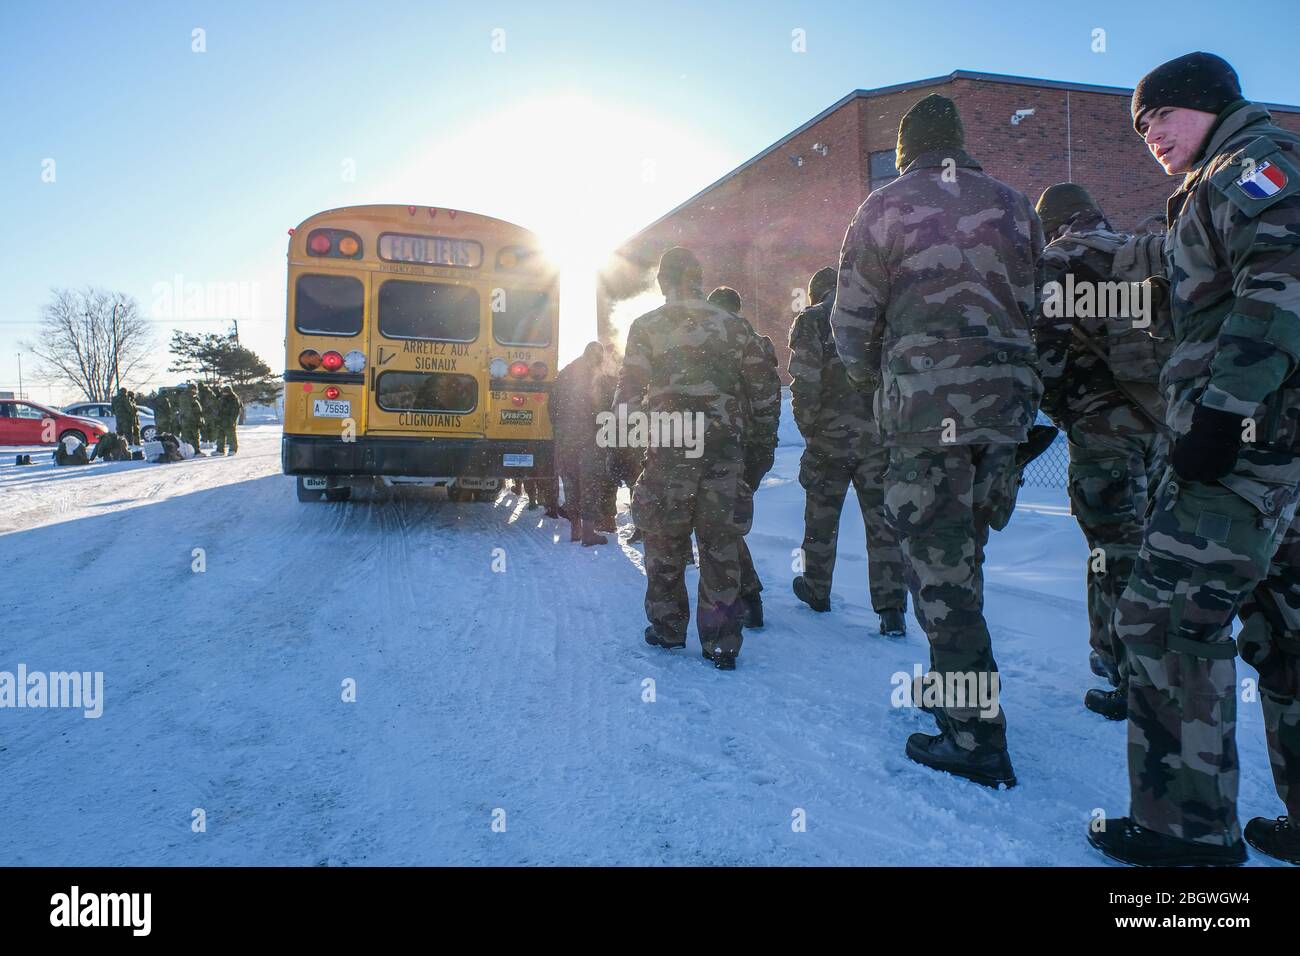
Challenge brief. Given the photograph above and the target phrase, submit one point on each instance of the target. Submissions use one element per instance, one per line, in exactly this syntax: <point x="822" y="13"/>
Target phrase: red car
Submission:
<point x="23" y="422"/>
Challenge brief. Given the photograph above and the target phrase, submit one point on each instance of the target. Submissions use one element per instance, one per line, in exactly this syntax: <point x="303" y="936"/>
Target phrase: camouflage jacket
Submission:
<point x="191" y="409"/>
<point x="833" y="416"/>
<point x="581" y="392"/>
<point x="772" y="382"/>
<point x="1077" y="382"/>
<point x="690" y="356"/>
<point x="1233" y="260"/>
<point x="937" y="288"/>
<point x="229" y="406"/>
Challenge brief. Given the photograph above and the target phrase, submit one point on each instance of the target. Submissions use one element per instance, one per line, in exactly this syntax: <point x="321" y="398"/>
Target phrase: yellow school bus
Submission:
<point x="420" y="346"/>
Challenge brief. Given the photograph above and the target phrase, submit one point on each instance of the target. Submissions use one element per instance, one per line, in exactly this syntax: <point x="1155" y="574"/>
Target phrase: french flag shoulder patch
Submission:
<point x="1264" y="180"/>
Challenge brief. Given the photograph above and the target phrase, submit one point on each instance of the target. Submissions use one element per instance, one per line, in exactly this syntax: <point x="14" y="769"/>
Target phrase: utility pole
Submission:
<point x="20" y="374"/>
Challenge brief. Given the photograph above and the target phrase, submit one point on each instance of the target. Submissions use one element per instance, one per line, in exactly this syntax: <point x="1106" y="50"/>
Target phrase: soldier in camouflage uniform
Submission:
<point x="121" y="416"/>
<point x="693" y="359"/>
<point x="933" y="308"/>
<point x="842" y="447"/>
<point x="1100" y="385"/>
<point x="1221" y="539"/>
<point x="111" y="447"/>
<point x="758" y="460"/>
<point x="192" y="421"/>
<point x="228" y="409"/>
<point x="132" y="433"/>
<point x="162" y="414"/>
<point x="583" y="389"/>
<point x="208" y="418"/>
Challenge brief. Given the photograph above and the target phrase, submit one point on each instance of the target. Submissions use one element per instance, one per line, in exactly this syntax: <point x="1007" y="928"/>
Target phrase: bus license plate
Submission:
<point x="517" y="461"/>
<point x="329" y="408"/>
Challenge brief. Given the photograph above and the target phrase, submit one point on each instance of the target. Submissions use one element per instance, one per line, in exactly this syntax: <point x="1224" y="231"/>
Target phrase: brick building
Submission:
<point x="766" y="226"/>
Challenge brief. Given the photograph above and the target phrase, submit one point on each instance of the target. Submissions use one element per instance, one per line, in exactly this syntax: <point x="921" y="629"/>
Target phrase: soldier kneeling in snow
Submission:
<point x="112" y="447"/>
<point x="71" y="451"/>
<point x="171" y="448"/>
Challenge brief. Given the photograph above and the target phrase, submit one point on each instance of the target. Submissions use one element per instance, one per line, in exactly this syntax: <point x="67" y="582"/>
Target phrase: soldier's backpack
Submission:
<point x="1137" y="348"/>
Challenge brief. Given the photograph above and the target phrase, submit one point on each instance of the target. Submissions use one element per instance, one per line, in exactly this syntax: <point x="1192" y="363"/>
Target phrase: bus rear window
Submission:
<point x="428" y="310"/>
<point x="426" y="392"/>
<point x="525" y="318"/>
<point x="328" y="305"/>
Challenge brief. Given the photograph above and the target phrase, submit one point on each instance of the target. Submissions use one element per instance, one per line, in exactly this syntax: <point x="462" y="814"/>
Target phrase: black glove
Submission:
<point x="1209" y="449"/>
<point x="757" y="464"/>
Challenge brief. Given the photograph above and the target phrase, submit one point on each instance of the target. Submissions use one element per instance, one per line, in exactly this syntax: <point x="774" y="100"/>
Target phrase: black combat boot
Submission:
<point x="991" y="768"/>
<point x="606" y="525"/>
<point x="656" y="637"/>
<point x="1278" y="838"/>
<point x="1122" y="839"/>
<point x="590" y="537"/>
<point x="1111" y="704"/>
<point x="1103" y="668"/>
<point x="804" y="592"/>
<point x="753" y="609"/>
<point x="892" y="623"/>
<point x="721" y="660"/>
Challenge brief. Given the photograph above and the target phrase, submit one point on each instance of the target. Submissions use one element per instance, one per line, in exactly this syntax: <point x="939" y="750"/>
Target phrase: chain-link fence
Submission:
<point x="1049" y="470"/>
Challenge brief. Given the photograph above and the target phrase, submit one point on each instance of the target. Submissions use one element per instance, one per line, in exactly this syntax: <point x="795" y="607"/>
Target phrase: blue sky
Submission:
<point x="595" y="118"/>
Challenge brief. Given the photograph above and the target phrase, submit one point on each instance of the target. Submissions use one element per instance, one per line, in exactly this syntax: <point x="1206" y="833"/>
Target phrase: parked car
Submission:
<point x="102" y="412"/>
<point x="22" y="422"/>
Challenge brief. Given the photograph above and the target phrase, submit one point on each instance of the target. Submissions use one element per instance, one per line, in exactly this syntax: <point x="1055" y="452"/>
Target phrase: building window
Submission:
<point x="882" y="168"/>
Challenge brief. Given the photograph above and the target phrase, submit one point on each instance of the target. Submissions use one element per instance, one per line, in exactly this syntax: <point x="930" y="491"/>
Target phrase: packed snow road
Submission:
<point x="229" y="621"/>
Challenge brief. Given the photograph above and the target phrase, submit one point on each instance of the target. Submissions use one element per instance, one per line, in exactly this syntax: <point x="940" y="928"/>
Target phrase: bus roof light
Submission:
<point x="319" y="244"/>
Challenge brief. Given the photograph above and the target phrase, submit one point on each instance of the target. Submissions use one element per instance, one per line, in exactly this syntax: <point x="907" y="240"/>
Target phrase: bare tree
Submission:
<point x="91" y="339"/>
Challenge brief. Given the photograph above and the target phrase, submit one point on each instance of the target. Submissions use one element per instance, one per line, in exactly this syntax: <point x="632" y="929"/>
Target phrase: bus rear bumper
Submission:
<point x="416" y="457"/>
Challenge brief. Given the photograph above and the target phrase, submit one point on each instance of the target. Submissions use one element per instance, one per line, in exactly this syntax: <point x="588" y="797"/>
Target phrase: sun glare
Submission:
<point x="583" y="175"/>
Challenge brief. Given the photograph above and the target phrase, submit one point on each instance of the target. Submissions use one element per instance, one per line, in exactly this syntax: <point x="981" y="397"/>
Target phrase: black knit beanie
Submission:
<point x="1059" y="203"/>
<point x="822" y="284"/>
<point x="1196" y="81"/>
<point x="931" y="124"/>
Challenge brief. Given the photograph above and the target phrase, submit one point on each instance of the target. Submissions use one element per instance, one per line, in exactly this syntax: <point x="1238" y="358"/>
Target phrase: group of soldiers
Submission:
<point x="918" y="372"/>
<point x="200" y="413"/>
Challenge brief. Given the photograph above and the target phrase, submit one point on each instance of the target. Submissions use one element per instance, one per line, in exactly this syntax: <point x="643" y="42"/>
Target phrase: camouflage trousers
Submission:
<point x="225" y="434"/>
<point x="190" y="433"/>
<point x="711" y="500"/>
<point x="1208" y="554"/>
<point x="1116" y="459"/>
<point x="942" y="502"/>
<point x="826" y="481"/>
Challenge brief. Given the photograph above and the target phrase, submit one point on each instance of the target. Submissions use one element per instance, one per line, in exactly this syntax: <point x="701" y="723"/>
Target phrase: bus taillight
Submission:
<point x="332" y="391"/>
<point x="538" y="370"/>
<point x="518" y="399"/>
<point x="332" y="361"/>
<point x="319" y="244"/>
<point x="519" y="370"/>
<point x="309" y="359"/>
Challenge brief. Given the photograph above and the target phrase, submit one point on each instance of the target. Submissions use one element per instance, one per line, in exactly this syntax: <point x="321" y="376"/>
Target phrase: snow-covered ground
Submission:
<point x="520" y="691"/>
